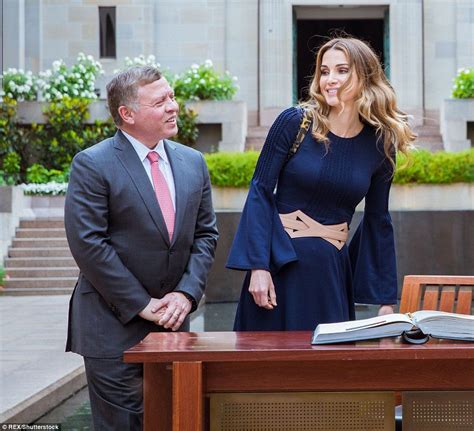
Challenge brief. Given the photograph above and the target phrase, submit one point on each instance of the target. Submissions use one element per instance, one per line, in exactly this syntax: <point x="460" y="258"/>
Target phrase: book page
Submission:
<point x="356" y="325"/>
<point x="440" y="324"/>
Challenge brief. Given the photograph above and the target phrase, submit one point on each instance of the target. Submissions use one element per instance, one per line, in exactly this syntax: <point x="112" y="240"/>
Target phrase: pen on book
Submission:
<point x="380" y="322"/>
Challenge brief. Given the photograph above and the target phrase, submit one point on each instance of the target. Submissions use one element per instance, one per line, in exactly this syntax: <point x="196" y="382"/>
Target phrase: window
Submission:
<point x="107" y="26"/>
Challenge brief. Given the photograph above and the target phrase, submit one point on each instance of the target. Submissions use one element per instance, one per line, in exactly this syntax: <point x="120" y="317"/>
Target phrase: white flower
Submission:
<point x="194" y="66"/>
<point x="208" y="63"/>
<point x="51" y="188"/>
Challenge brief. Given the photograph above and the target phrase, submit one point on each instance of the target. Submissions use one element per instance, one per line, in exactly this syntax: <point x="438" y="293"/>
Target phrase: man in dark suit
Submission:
<point x="141" y="227"/>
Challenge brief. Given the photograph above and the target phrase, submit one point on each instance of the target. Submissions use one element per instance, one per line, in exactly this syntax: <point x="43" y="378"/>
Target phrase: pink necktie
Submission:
<point x="162" y="192"/>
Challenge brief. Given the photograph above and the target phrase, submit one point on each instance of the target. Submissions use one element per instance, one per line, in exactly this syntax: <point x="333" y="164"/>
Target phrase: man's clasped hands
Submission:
<point x="169" y="311"/>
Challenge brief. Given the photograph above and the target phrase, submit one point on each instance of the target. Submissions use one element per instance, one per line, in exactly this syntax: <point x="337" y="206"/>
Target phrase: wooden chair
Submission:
<point x="451" y="293"/>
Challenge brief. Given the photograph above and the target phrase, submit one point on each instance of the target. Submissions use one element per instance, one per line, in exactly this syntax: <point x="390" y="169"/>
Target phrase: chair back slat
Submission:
<point x="411" y="296"/>
<point x="464" y="305"/>
<point x="430" y="299"/>
<point x="438" y="292"/>
<point x="448" y="295"/>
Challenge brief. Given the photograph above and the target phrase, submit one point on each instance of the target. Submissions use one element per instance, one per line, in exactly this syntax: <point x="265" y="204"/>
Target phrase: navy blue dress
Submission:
<point x="314" y="281"/>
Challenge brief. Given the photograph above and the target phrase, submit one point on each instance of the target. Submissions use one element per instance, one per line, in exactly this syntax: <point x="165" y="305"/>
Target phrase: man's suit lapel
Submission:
<point x="132" y="164"/>
<point x="180" y="184"/>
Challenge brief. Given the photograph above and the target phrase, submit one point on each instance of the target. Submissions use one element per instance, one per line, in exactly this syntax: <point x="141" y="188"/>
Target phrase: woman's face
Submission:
<point x="334" y="73"/>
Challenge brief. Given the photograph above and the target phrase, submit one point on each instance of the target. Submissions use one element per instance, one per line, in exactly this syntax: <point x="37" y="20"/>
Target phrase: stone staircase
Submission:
<point x="39" y="261"/>
<point x="429" y="137"/>
<point x="256" y="138"/>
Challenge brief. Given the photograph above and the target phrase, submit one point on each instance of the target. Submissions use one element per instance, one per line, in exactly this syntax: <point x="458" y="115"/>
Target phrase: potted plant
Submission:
<point x="458" y="111"/>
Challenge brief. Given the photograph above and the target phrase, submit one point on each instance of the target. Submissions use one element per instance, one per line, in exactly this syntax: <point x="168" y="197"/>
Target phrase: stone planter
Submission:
<point x="409" y="197"/>
<point x="222" y="124"/>
<point x="32" y="112"/>
<point x="454" y="117"/>
<point x="432" y="225"/>
<point x="231" y="115"/>
<point x="47" y="206"/>
<point x="13" y="206"/>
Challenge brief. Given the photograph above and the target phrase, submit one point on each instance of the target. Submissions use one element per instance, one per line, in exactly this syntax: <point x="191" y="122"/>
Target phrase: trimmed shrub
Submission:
<point x="422" y="167"/>
<point x="231" y="169"/>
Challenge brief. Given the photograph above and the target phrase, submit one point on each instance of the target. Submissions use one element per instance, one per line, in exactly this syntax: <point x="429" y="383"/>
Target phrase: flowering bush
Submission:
<point x="51" y="188"/>
<point x="202" y="82"/>
<point x="464" y="83"/>
<point x="20" y="85"/>
<point x="75" y="82"/>
<point x="141" y="60"/>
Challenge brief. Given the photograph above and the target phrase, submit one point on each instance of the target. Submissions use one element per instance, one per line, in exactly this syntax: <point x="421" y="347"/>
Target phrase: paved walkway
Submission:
<point x="36" y="373"/>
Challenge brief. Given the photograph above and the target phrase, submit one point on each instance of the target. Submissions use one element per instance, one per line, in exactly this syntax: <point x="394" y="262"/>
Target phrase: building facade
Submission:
<point x="269" y="44"/>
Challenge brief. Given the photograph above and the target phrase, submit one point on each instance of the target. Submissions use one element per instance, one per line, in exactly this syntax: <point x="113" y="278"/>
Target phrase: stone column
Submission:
<point x="465" y="33"/>
<point x="13" y="34"/>
<point x="275" y="58"/>
<point x="406" y="55"/>
<point x="33" y="34"/>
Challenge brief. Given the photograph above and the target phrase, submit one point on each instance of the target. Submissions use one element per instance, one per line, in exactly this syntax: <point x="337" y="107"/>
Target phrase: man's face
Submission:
<point x="157" y="111"/>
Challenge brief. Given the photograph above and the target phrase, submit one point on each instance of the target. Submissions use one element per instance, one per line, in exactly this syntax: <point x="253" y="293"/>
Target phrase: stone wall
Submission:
<point x="429" y="41"/>
<point x="427" y="242"/>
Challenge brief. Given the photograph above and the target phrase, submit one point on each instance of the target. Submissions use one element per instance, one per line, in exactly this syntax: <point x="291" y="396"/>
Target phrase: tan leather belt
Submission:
<point x="298" y="225"/>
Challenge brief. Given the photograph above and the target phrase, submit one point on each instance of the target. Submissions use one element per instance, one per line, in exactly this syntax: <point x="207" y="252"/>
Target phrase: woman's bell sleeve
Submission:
<point x="372" y="249"/>
<point x="261" y="241"/>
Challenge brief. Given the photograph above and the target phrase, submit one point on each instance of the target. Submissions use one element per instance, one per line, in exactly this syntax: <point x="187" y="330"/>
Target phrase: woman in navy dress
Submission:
<point x="292" y="240"/>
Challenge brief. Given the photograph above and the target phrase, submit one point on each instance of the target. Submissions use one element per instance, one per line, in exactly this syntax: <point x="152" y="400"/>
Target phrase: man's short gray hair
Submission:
<point x="122" y="90"/>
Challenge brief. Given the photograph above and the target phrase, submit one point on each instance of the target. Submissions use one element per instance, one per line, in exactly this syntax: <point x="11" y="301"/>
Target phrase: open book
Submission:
<point x="437" y="324"/>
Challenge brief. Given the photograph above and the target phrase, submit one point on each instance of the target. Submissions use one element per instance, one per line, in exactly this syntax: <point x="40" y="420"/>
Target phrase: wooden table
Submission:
<point x="181" y="368"/>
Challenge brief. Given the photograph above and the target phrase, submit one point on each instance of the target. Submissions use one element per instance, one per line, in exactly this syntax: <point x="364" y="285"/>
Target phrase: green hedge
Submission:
<point x="231" y="169"/>
<point x="422" y="167"/>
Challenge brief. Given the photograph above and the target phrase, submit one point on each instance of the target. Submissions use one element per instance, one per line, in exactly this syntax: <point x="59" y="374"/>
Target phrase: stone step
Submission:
<point x="30" y="272"/>
<point x="41" y="282"/>
<point x="427" y="129"/>
<point x="39" y="242"/>
<point x="41" y="233"/>
<point x="258" y="132"/>
<point x="42" y="223"/>
<point x="39" y="252"/>
<point x="19" y="291"/>
<point x="39" y="262"/>
<point x="254" y="144"/>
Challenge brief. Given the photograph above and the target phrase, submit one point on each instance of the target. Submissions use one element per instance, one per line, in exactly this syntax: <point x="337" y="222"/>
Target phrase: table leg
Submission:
<point x="187" y="396"/>
<point x="157" y="397"/>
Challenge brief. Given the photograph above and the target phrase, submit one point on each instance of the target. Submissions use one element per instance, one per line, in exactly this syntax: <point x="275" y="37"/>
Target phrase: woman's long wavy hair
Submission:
<point x="376" y="103"/>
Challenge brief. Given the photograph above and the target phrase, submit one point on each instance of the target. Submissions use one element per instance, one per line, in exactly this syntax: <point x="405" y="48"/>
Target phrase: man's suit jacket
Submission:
<point x="118" y="237"/>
